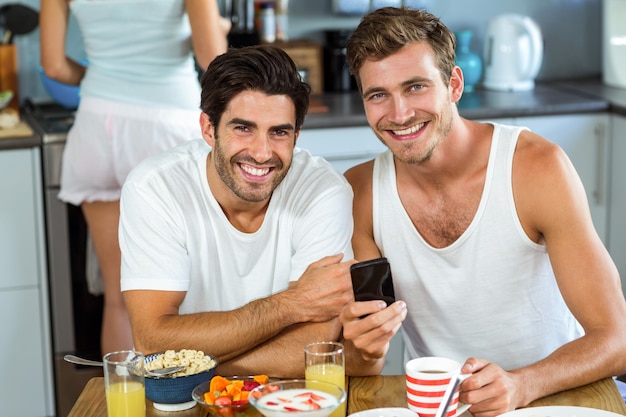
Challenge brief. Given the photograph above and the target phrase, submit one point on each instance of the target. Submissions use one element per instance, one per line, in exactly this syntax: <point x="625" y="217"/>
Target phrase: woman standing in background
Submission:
<point x="139" y="96"/>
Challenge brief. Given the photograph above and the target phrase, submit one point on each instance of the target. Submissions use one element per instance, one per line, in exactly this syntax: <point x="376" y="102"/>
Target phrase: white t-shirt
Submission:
<point x="174" y="236"/>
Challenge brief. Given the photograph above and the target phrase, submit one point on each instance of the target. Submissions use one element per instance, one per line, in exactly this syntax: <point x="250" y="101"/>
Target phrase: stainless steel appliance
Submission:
<point x="76" y="314"/>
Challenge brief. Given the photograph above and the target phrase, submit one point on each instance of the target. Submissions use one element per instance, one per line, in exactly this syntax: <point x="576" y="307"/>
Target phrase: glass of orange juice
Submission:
<point x="324" y="361"/>
<point x="124" y="384"/>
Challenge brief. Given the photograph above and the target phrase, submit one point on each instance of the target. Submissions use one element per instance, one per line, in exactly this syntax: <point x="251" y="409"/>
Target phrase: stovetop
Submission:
<point x="52" y="119"/>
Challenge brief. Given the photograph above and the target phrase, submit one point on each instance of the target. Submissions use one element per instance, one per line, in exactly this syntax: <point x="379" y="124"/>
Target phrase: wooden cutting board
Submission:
<point x="317" y="107"/>
<point x="21" y="130"/>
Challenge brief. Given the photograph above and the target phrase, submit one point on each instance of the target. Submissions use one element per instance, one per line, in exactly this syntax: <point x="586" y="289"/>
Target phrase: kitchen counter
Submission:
<point x="346" y="109"/>
<point x="616" y="97"/>
<point x="567" y="97"/>
<point x="24" y="140"/>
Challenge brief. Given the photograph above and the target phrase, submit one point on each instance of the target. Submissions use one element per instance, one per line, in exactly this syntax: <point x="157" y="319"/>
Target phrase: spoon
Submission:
<point x="455" y="380"/>
<point x="155" y="373"/>
<point x="447" y="396"/>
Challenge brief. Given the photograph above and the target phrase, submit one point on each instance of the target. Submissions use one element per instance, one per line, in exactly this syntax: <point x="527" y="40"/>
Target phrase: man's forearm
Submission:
<point x="282" y="356"/>
<point x="579" y="362"/>
<point x="224" y="335"/>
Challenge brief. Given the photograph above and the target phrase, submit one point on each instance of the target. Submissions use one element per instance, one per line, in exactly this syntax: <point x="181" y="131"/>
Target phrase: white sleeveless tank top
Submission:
<point x="139" y="52"/>
<point x="492" y="293"/>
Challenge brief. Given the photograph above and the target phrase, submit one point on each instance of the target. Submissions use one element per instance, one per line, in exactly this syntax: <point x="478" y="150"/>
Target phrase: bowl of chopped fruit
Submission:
<point x="227" y="396"/>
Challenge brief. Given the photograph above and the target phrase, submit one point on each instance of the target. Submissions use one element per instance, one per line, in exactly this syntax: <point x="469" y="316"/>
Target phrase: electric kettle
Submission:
<point x="513" y="53"/>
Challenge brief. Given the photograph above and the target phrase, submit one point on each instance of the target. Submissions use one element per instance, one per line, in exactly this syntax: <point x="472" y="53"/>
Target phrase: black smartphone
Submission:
<point x="371" y="280"/>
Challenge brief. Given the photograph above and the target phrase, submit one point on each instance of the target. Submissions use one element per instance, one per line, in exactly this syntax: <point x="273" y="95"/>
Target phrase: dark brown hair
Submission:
<point x="262" y="68"/>
<point x="385" y="31"/>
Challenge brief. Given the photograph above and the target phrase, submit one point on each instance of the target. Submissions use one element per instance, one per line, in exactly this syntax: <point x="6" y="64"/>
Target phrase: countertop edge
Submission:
<point x="546" y="99"/>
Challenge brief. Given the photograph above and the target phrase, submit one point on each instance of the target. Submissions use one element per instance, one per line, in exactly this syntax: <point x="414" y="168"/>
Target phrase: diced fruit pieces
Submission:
<point x="209" y="398"/>
<point x="236" y="391"/>
<point x="223" y="401"/>
<point x="261" y="379"/>
<point x="249" y="385"/>
<point x="218" y="383"/>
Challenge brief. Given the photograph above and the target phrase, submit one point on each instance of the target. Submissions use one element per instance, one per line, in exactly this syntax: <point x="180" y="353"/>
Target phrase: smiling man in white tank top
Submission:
<point x="493" y="253"/>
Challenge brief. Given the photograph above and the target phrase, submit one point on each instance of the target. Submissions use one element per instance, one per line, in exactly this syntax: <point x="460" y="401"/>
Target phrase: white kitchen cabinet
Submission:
<point x="585" y="139"/>
<point x="25" y="342"/>
<point x="617" y="210"/>
<point x="343" y="147"/>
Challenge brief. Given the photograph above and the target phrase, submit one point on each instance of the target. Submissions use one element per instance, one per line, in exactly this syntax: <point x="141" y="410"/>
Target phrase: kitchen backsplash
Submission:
<point x="571" y="31"/>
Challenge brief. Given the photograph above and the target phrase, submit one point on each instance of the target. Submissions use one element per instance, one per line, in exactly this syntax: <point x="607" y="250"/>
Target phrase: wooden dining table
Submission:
<point x="369" y="392"/>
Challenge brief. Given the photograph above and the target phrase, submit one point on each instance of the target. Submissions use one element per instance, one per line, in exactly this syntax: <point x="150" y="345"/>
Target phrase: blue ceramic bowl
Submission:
<point x="64" y="94"/>
<point x="176" y="389"/>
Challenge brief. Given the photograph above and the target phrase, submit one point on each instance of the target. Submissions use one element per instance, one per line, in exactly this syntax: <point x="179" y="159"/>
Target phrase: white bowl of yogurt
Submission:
<point x="297" y="398"/>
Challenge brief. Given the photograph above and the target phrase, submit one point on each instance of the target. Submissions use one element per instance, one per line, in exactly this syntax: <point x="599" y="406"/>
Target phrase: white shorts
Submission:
<point x="108" y="139"/>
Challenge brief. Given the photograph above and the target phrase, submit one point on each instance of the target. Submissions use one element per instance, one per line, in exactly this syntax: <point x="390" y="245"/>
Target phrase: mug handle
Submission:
<point x="460" y="378"/>
<point x="460" y="410"/>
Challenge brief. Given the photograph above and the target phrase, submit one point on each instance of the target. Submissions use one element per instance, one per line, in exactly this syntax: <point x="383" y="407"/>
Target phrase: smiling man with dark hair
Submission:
<point x="234" y="244"/>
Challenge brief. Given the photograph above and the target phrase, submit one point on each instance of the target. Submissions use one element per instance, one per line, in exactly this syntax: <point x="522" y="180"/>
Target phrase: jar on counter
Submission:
<point x="267" y="20"/>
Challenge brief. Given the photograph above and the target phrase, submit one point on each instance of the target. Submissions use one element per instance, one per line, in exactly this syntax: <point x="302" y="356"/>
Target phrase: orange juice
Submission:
<point x="126" y="399"/>
<point x="329" y="372"/>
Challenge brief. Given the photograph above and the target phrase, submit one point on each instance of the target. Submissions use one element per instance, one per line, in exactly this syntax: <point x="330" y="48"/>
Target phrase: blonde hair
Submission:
<point x="385" y="31"/>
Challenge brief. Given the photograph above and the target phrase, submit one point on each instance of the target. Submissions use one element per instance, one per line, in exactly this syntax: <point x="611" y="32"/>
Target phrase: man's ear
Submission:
<point x="208" y="130"/>
<point x="456" y="84"/>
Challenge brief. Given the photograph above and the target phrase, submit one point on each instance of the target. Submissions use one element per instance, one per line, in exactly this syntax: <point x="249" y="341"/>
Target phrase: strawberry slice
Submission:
<point x="312" y="404"/>
<point x="223" y="401"/>
<point x="287" y="408"/>
<point x="311" y="395"/>
<point x="249" y="385"/>
<point x="316" y="397"/>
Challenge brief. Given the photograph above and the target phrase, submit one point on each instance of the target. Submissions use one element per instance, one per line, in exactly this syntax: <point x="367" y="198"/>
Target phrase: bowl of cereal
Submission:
<point x="228" y="396"/>
<point x="173" y="392"/>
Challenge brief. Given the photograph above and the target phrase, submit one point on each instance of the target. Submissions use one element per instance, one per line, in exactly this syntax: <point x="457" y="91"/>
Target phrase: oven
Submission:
<point x="76" y="314"/>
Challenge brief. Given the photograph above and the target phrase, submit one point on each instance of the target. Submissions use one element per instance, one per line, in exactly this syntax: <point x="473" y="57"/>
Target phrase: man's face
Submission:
<point x="407" y="103"/>
<point x="253" y="144"/>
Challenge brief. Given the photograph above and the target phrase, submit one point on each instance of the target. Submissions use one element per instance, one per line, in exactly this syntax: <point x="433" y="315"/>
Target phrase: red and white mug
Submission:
<point x="427" y="379"/>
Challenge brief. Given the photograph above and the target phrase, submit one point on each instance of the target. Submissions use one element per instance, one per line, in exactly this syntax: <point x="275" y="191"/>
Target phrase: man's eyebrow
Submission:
<point x="249" y="123"/>
<point x="238" y="121"/>
<point x="284" y="126"/>
<point x="373" y="90"/>
<point x="416" y="80"/>
<point x="406" y="83"/>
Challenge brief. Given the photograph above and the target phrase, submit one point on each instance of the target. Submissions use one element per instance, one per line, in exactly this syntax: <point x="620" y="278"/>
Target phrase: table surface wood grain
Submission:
<point x="372" y="392"/>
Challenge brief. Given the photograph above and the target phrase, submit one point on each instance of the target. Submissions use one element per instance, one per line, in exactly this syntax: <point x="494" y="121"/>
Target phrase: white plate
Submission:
<point x="387" y="412"/>
<point x="559" y="411"/>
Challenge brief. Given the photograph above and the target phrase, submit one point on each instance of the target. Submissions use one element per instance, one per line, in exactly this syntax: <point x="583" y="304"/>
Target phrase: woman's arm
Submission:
<point x="208" y="30"/>
<point x="53" y="21"/>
